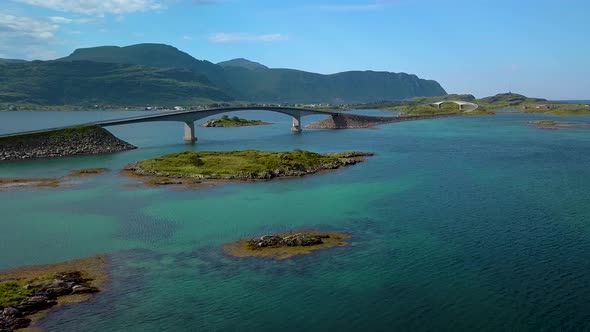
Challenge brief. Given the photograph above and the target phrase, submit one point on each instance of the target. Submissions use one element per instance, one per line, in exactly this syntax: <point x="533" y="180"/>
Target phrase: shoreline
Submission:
<point x="48" y="286"/>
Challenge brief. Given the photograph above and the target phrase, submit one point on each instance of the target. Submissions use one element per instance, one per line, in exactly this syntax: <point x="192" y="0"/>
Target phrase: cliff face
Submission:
<point x="60" y="143"/>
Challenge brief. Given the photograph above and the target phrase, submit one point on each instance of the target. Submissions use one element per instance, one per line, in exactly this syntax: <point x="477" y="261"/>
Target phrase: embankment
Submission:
<point x="82" y="140"/>
<point x="344" y="121"/>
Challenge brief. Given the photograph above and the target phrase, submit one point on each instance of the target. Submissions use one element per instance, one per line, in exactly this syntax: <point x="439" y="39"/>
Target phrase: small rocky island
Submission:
<point x="282" y="246"/>
<point x="234" y="121"/>
<point x="27" y="291"/>
<point x="551" y="124"/>
<point x="80" y="140"/>
<point x="193" y="167"/>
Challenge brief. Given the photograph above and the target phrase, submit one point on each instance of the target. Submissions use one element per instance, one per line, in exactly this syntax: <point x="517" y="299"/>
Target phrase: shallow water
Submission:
<point x="478" y="223"/>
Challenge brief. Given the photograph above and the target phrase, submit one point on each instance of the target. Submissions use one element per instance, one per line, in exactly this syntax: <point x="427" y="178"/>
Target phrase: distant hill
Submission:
<point x="242" y="63"/>
<point x="161" y="74"/>
<point x="508" y="100"/>
<point x="295" y="86"/>
<point x="11" y="61"/>
<point x="86" y="82"/>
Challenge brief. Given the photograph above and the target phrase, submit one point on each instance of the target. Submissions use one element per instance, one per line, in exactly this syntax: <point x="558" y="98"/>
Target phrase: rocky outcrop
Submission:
<point x="85" y="140"/>
<point x="282" y="246"/>
<point x="351" y="121"/>
<point x="294" y="240"/>
<point x="44" y="295"/>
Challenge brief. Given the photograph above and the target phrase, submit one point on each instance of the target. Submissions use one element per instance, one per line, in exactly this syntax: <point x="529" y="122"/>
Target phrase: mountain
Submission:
<point x="11" y="61"/>
<point x="154" y="55"/>
<point x="161" y="74"/>
<point x="87" y="82"/>
<point x="295" y="86"/>
<point x="242" y="63"/>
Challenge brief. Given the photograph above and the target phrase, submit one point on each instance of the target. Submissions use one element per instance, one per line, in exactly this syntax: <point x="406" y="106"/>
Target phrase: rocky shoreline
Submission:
<point x="27" y="292"/>
<point x="283" y="246"/>
<point x="353" y="121"/>
<point x="85" y="140"/>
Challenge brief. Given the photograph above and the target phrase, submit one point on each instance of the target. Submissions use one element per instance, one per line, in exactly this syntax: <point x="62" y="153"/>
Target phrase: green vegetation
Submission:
<point x="487" y="105"/>
<point x="544" y="123"/>
<point x="295" y="86"/>
<point x="161" y="75"/>
<point x="13" y="292"/>
<point x="88" y="83"/>
<point x="227" y="164"/>
<point x="423" y="105"/>
<point x="234" y="121"/>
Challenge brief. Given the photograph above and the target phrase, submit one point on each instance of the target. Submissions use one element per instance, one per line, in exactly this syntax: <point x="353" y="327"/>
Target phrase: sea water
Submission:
<point x="463" y="223"/>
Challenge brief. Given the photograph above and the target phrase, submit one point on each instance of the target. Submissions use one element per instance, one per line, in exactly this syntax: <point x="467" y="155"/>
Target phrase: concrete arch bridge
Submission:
<point x="189" y="117"/>
<point x="464" y="106"/>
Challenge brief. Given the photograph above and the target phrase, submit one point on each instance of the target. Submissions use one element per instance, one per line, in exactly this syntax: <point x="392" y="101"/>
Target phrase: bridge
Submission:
<point x="463" y="105"/>
<point x="189" y="117"/>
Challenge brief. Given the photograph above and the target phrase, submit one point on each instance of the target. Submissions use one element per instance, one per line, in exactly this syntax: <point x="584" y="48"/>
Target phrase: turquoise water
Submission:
<point x="468" y="223"/>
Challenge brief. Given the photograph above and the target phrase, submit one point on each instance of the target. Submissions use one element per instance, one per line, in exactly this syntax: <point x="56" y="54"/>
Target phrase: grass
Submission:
<point x="13" y="292"/>
<point x="228" y="163"/>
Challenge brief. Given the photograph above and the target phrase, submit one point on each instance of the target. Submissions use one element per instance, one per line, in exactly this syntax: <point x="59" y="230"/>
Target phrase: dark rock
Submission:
<point x="11" y="312"/>
<point x="36" y="303"/>
<point x="78" y="289"/>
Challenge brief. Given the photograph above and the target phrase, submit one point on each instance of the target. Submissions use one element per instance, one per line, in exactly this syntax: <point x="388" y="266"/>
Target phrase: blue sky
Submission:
<point x="538" y="48"/>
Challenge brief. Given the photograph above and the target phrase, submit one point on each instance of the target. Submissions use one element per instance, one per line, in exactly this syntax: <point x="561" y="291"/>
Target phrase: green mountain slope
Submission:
<point x="153" y="55"/>
<point x="161" y="74"/>
<point x="242" y="63"/>
<point x="295" y="86"/>
<point x="86" y="82"/>
<point x="11" y="61"/>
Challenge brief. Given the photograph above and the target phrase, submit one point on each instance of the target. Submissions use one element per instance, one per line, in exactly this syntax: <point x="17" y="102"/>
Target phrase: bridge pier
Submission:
<point x="296" y="124"/>
<point x="189" y="132"/>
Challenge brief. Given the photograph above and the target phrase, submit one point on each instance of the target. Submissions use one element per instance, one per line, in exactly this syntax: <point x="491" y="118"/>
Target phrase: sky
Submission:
<point x="539" y="48"/>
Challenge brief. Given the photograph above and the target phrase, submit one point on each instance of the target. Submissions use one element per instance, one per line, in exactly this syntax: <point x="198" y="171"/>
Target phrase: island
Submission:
<point x="193" y="167"/>
<point x="282" y="246"/>
<point x="550" y="124"/>
<point x="234" y="121"/>
<point x="27" y="292"/>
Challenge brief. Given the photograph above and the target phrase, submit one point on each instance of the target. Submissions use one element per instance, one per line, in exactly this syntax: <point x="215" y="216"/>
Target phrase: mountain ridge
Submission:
<point x="236" y="79"/>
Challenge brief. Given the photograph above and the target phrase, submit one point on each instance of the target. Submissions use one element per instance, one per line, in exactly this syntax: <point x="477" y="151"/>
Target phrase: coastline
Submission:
<point x="52" y="285"/>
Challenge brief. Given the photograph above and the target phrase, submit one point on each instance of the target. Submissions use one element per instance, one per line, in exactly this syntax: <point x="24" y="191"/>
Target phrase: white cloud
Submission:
<point x="60" y="20"/>
<point x="224" y="37"/>
<point x="27" y="37"/>
<point x="187" y="37"/>
<point x="66" y="20"/>
<point x="97" y="7"/>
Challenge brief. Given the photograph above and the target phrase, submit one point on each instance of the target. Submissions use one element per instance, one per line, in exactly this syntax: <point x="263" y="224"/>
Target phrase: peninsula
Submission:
<point x="77" y="140"/>
<point x="192" y="167"/>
